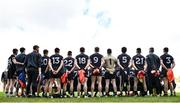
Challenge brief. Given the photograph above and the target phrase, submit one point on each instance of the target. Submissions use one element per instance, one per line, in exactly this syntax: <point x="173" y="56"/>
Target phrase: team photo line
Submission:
<point x="36" y="75"/>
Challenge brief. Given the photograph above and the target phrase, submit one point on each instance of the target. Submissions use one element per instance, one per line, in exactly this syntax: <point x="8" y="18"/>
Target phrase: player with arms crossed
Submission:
<point x="96" y="63"/>
<point x="82" y="63"/>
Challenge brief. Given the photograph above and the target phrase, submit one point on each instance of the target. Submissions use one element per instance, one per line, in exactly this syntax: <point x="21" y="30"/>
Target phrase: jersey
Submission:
<point x="124" y="60"/>
<point x="96" y="59"/>
<point x="153" y="62"/>
<point x="82" y="60"/>
<point x="167" y="60"/>
<point x="56" y="61"/>
<point x="44" y="64"/>
<point x="20" y="58"/>
<point x="11" y="65"/>
<point x="110" y="62"/>
<point x="69" y="63"/>
<point x="139" y="61"/>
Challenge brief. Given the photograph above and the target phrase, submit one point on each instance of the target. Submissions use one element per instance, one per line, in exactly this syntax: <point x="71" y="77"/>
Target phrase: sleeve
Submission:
<point x="39" y="61"/>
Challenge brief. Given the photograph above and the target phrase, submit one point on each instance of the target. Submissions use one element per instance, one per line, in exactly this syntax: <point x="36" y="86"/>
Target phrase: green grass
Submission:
<point x="95" y="99"/>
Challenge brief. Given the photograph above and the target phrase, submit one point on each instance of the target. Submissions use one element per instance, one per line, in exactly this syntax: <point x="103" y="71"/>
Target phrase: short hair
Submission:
<point x="151" y="49"/>
<point x="82" y="49"/>
<point x="166" y="49"/>
<point x="15" y="51"/>
<point x="96" y="49"/>
<point x="69" y="53"/>
<point x="35" y="47"/>
<point x="109" y="51"/>
<point x="56" y="50"/>
<point x="45" y="51"/>
<point x="22" y="49"/>
<point x="123" y="49"/>
<point x="138" y="50"/>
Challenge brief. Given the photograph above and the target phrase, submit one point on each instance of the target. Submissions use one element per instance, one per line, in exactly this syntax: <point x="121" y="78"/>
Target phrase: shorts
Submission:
<point x="164" y="73"/>
<point x="58" y="75"/>
<point x="71" y="76"/>
<point x="47" y="75"/>
<point x="110" y="76"/>
<point x="11" y="74"/>
<point x="98" y="74"/>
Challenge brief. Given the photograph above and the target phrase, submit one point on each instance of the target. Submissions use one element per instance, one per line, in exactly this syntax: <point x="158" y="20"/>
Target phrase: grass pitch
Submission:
<point x="95" y="99"/>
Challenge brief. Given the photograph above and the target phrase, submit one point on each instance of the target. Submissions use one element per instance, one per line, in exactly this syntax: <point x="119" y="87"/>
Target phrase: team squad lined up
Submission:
<point x="33" y="75"/>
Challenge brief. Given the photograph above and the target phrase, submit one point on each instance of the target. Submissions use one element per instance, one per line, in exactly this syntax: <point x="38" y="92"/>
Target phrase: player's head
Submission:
<point x="138" y="50"/>
<point x="22" y="50"/>
<point x="96" y="49"/>
<point x="45" y="52"/>
<point x="166" y="50"/>
<point x="151" y="50"/>
<point x="69" y="53"/>
<point x="123" y="49"/>
<point x="15" y="51"/>
<point x="82" y="50"/>
<point x="56" y="50"/>
<point x="36" y="48"/>
<point x="109" y="51"/>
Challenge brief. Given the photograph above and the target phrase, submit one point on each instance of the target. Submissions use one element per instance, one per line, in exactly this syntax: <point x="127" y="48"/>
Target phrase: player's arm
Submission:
<point x="130" y="64"/>
<point x="16" y="62"/>
<point x="173" y="64"/>
<point x="50" y="65"/>
<point x="61" y="65"/>
<point x="39" y="63"/>
<point x="163" y="65"/>
<point x="76" y="64"/>
<point x="102" y="63"/>
<point x="145" y="66"/>
<point x="87" y="65"/>
<point x="133" y="65"/>
<point x="119" y="64"/>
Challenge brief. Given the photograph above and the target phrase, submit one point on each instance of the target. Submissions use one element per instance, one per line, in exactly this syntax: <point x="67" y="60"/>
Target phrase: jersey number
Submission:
<point x="55" y="60"/>
<point x="168" y="60"/>
<point x="95" y="59"/>
<point x="124" y="59"/>
<point x="139" y="60"/>
<point x="82" y="60"/>
<point x="44" y="61"/>
<point x="68" y="63"/>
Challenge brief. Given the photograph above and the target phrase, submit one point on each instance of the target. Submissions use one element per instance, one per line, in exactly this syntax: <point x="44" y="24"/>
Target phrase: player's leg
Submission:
<point x="7" y="87"/>
<point x="99" y="78"/>
<point x="58" y="86"/>
<point x="135" y="86"/>
<point x="47" y="87"/>
<point x="93" y="79"/>
<point x="114" y="86"/>
<point x="29" y="81"/>
<point x="144" y="86"/>
<point x="107" y="86"/>
<point x="120" y="84"/>
<point x="71" y="88"/>
<point x="50" y="87"/>
<point x="64" y="90"/>
<point x="38" y="86"/>
<point x="79" y="88"/>
<point x="165" y="86"/>
<point x="34" y="82"/>
<point x="85" y="87"/>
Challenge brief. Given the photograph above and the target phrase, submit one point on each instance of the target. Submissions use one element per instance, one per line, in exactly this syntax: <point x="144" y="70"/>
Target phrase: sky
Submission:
<point x="70" y="24"/>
